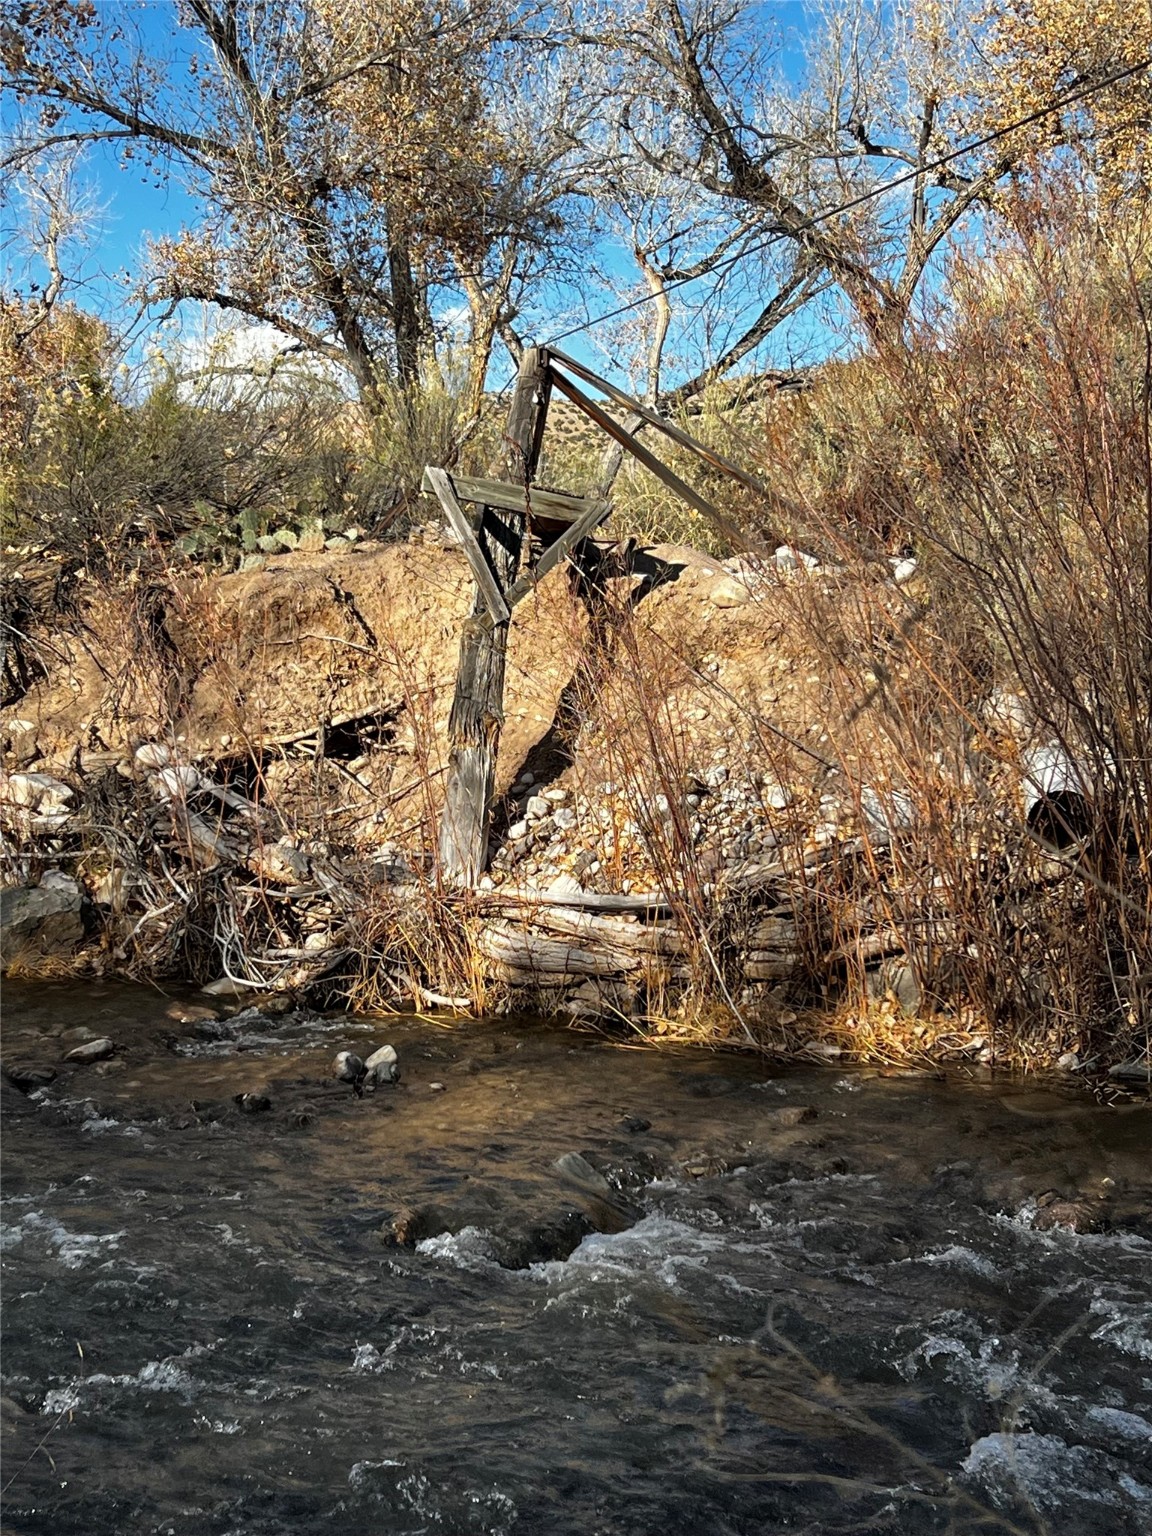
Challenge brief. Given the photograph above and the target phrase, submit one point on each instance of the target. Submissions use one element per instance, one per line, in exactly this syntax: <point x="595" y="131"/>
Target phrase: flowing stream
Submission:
<point x="815" y="1301"/>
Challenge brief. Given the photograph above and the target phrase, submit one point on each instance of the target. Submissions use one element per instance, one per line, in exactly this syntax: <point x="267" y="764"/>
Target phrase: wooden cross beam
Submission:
<point x="535" y="502"/>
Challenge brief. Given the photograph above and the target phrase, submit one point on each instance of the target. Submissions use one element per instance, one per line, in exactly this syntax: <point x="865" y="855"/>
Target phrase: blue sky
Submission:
<point x="130" y="205"/>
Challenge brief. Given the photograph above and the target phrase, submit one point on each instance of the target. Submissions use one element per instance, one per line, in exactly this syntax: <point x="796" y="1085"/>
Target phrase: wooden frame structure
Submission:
<point x="492" y="537"/>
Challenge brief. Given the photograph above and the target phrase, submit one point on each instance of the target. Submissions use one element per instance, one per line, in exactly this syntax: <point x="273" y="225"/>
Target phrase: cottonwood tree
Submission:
<point x="694" y="254"/>
<point x="344" y="152"/>
<point x="1040" y="51"/>
<point x="529" y="235"/>
<point x="889" y="89"/>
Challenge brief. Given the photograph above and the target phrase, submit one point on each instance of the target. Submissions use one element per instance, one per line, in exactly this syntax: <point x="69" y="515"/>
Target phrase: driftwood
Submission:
<point x="611" y="933"/>
<point x="537" y="956"/>
<point x="587" y="901"/>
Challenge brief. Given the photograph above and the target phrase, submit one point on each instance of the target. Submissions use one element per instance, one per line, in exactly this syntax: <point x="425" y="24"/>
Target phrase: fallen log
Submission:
<point x="549" y="957"/>
<point x="612" y="932"/>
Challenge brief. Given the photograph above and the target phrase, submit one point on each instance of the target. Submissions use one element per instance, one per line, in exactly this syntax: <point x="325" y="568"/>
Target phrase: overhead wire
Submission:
<point x="1081" y="93"/>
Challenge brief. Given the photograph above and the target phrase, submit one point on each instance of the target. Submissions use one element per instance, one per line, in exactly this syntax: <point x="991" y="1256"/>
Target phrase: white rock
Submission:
<point x="517" y="830"/>
<point x="903" y="570"/>
<point x="36" y="791"/>
<point x="153" y="754"/>
<point x="224" y="986"/>
<point x="383" y="1065"/>
<point x="174" y="783"/>
<point x="886" y="812"/>
<point x="729" y="593"/>
<point x="789" y="559"/>
<point x="537" y="807"/>
<point x="564" y="885"/>
<point x="91" y="1050"/>
<point x="1049" y="770"/>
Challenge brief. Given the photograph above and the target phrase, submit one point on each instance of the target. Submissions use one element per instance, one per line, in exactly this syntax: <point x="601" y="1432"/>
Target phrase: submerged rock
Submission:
<point x="27" y="1075"/>
<point x="91" y="1050"/>
<point x="604" y="1208"/>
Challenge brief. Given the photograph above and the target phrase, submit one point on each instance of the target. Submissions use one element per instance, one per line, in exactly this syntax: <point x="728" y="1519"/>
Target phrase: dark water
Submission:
<point x="846" y="1324"/>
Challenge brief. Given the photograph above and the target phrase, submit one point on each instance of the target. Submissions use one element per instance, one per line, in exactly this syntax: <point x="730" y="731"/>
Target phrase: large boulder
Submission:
<point x="41" y="921"/>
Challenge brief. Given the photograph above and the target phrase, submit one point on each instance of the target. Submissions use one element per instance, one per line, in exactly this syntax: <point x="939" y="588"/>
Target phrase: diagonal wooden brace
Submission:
<point x="559" y="550"/>
<point x="486" y="583"/>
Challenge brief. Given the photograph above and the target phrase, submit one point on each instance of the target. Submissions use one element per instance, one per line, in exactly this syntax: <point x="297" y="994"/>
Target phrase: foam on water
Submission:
<point x="155" y="1376"/>
<point x="1048" y="1472"/>
<point x="470" y="1248"/>
<point x="73" y="1249"/>
<point x="1127" y="1326"/>
<point x="657" y="1248"/>
<point x="956" y="1256"/>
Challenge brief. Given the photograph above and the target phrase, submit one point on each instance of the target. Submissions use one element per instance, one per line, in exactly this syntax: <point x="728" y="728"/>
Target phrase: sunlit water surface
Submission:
<point x="842" y="1323"/>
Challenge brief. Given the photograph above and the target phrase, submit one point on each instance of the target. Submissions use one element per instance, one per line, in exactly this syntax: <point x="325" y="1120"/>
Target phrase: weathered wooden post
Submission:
<point x="478" y="704"/>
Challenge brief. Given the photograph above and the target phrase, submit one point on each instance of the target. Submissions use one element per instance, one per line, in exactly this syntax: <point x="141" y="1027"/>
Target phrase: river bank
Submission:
<point x="393" y="1310"/>
<point x="734" y="805"/>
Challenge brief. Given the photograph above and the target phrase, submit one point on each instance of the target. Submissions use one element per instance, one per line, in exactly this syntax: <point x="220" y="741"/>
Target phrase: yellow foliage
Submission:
<point x="48" y="370"/>
<point x="1041" y="50"/>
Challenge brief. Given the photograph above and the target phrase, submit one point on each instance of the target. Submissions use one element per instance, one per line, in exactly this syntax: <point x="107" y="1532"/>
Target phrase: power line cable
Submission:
<point x="830" y="213"/>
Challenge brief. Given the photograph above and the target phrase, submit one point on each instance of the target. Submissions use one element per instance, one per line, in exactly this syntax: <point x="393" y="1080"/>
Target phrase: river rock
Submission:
<point x="633" y="1125"/>
<point x="91" y="1050"/>
<point x="77" y="1035"/>
<point x="252" y="1103"/>
<point x="1136" y="1071"/>
<point x="41" y="920"/>
<point x="36" y="791"/>
<point x="153" y="754"/>
<point x="174" y="782"/>
<point x="607" y="1210"/>
<point x="224" y="986"/>
<point x="383" y="1066"/>
<point x="28" y="1075"/>
<point x="790" y="1115"/>
<point x="348" y="1067"/>
<point x="1075" y="1215"/>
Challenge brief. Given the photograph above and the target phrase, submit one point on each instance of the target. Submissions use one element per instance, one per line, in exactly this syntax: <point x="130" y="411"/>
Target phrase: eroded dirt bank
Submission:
<point x="708" y="820"/>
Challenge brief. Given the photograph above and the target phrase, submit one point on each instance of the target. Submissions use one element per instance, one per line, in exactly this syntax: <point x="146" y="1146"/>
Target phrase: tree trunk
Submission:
<point x="405" y="310"/>
<point x="478" y="705"/>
